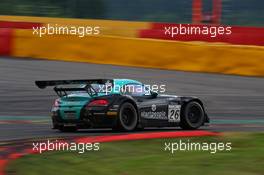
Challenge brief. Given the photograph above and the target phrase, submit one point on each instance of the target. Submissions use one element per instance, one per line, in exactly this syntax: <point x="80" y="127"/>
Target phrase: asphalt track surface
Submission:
<point x="233" y="103"/>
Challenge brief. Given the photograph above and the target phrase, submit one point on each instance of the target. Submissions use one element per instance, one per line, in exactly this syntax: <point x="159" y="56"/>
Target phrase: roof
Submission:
<point x="122" y="82"/>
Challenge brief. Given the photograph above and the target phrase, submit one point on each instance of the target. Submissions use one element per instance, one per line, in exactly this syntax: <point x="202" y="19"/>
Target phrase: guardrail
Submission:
<point x="126" y="49"/>
<point x="186" y="56"/>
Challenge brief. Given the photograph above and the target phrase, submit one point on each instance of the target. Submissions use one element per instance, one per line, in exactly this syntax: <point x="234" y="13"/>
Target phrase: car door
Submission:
<point x="153" y="109"/>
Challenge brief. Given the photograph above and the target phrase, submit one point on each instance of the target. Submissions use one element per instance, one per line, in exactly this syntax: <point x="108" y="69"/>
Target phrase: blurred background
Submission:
<point x="234" y="12"/>
<point x="131" y="39"/>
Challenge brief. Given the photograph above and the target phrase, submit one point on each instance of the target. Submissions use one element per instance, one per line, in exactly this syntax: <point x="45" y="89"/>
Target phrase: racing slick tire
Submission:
<point x="127" y="117"/>
<point x="192" y="116"/>
<point x="67" y="128"/>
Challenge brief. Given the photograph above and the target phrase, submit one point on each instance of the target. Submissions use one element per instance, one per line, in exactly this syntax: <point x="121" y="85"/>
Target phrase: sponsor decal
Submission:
<point x="153" y="107"/>
<point x="153" y="114"/>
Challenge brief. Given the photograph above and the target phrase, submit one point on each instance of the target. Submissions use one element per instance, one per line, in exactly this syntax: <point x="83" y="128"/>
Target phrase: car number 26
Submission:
<point x="174" y="113"/>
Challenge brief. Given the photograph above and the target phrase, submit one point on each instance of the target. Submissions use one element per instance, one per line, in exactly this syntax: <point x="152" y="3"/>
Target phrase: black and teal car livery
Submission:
<point x="121" y="104"/>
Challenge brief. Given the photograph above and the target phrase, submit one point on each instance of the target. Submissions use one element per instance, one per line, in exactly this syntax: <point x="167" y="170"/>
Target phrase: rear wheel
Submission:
<point x="127" y="117"/>
<point x="192" y="116"/>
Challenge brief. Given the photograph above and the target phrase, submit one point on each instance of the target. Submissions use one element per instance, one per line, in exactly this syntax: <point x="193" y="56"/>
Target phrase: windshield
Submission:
<point x="102" y="88"/>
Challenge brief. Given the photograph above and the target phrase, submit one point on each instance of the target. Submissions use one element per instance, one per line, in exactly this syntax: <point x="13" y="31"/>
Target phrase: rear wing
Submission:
<point x="62" y="91"/>
<point x="44" y="84"/>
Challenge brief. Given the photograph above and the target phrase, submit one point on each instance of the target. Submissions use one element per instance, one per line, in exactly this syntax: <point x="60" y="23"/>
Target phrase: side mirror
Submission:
<point x="154" y="94"/>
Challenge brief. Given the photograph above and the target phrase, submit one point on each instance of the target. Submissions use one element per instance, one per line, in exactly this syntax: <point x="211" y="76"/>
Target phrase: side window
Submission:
<point x="135" y="90"/>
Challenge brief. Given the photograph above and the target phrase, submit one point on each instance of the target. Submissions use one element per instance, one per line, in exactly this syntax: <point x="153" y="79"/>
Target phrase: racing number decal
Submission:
<point x="174" y="113"/>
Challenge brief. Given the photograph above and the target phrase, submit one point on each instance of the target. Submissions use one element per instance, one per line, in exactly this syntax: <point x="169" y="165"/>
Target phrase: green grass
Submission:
<point x="148" y="157"/>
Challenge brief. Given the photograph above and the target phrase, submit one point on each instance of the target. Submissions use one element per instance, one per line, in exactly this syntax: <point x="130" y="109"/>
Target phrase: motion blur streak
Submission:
<point x="143" y="136"/>
<point x="14" y="154"/>
<point x="118" y="44"/>
<point x="226" y="97"/>
<point x="198" y="57"/>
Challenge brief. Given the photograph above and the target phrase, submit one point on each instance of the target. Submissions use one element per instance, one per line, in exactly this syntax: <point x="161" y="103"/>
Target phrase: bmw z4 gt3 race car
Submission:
<point x="119" y="104"/>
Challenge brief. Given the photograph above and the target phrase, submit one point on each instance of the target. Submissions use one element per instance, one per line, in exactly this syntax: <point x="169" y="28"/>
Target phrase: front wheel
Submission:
<point x="127" y="117"/>
<point x="192" y="116"/>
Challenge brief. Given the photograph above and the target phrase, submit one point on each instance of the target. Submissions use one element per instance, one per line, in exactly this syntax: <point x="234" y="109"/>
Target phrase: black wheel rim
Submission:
<point x="128" y="117"/>
<point x="194" y="114"/>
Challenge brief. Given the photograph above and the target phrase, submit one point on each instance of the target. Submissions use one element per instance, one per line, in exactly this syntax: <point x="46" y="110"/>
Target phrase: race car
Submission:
<point x="121" y="104"/>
